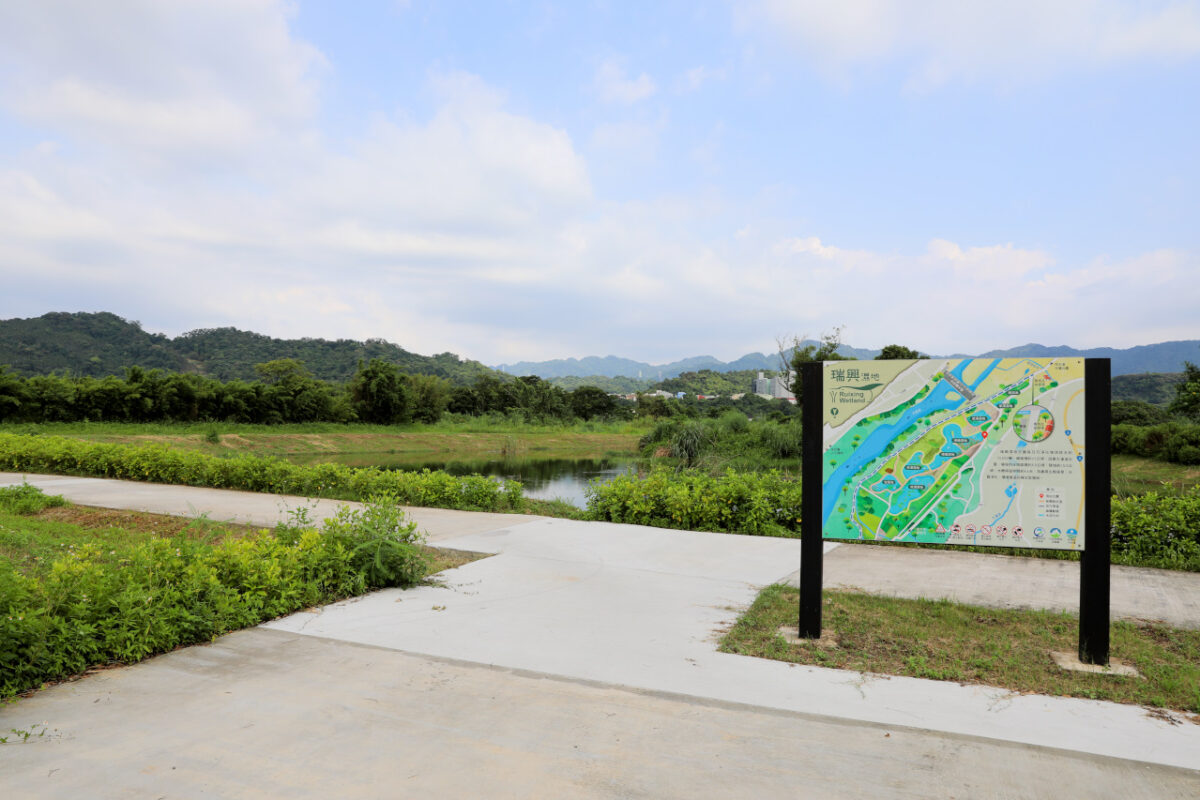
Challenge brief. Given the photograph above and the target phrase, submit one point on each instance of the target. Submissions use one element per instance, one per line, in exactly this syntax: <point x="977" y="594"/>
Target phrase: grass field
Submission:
<point x="947" y="641"/>
<point x="361" y="445"/>
<point x="1137" y="475"/>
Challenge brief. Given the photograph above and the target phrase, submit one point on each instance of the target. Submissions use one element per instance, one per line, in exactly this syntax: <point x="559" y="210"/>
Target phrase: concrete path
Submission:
<point x="1136" y="593"/>
<point x="579" y="661"/>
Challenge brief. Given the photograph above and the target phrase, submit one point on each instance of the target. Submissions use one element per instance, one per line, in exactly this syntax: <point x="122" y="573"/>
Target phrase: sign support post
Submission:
<point x="812" y="375"/>
<point x="1094" y="589"/>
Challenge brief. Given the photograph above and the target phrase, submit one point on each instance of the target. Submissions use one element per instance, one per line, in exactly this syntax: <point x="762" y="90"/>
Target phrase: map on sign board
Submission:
<point x="974" y="451"/>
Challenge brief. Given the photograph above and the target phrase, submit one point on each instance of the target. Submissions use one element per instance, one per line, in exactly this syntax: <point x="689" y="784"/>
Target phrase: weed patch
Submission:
<point x="941" y="640"/>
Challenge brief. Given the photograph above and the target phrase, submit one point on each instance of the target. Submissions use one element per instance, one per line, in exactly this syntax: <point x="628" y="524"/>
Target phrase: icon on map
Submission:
<point x="1018" y="530"/>
<point x="1033" y="423"/>
<point x="1039" y="533"/>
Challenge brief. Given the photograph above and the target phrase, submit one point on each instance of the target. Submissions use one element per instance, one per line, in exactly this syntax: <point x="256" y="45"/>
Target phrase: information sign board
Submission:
<point x="973" y="451"/>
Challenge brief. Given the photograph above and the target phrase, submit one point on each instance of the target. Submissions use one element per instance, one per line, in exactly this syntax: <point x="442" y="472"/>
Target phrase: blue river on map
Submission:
<point x="943" y="398"/>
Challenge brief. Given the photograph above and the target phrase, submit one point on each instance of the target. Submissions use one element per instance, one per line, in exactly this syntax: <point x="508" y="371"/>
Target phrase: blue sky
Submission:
<point x="519" y="181"/>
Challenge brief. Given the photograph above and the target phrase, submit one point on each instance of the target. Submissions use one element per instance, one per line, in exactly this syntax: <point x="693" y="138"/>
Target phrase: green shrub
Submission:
<point x="162" y="464"/>
<point x="781" y="441"/>
<point x="756" y="503"/>
<point x="26" y="499"/>
<point x="1177" y="442"/>
<point x="734" y="422"/>
<point x="164" y="593"/>
<point x="1155" y="530"/>
<point x="689" y="441"/>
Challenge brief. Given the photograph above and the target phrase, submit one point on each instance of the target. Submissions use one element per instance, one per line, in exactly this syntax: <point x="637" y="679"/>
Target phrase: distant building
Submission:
<point x="778" y="388"/>
<point x="762" y="385"/>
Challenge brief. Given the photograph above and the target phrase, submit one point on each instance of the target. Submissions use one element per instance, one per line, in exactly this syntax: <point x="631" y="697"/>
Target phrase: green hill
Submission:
<point x="1155" y="388"/>
<point x="104" y="344"/>
<point x="83" y="344"/>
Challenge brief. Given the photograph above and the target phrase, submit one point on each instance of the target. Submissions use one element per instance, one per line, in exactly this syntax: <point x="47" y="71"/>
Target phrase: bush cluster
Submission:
<point x="162" y="464"/>
<point x="1154" y="530"/>
<point x="727" y="440"/>
<point x="97" y="608"/>
<point x="1178" y="442"/>
<point x="756" y="503"/>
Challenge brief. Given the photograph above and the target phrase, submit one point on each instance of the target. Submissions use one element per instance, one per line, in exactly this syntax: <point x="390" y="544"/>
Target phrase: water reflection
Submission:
<point x="546" y="479"/>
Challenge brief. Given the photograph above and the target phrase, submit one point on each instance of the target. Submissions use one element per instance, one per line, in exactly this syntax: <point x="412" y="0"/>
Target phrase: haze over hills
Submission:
<point x="1161" y="357"/>
<point x="614" y="367"/>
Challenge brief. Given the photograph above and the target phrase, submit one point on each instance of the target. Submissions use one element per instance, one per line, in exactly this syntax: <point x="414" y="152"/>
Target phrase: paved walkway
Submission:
<point x="581" y="661"/>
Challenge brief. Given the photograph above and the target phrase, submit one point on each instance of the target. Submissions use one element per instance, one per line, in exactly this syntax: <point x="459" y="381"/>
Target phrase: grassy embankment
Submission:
<point x="471" y="440"/>
<point x="941" y="640"/>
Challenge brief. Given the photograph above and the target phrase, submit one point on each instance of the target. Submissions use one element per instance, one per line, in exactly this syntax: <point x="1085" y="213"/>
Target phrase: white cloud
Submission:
<point x="471" y="228"/>
<point x="190" y="77"/>
<point x="615" y="87"/>
<point x="948" y="40"/>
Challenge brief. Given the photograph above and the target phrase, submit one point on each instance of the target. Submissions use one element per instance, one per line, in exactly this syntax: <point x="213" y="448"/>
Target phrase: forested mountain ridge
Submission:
<point x="614" y="367"/>
<point x="1161" y="357"/>
<point x="99" y="344"/>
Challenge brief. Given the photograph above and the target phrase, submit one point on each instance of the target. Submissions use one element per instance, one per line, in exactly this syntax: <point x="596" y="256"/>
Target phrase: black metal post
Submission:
<point x="811" y="546"/>
<point x="1097" y="513"/>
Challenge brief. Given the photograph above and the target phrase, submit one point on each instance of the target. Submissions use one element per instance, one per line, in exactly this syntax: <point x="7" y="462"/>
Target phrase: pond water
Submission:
<point x="544" y="479"/>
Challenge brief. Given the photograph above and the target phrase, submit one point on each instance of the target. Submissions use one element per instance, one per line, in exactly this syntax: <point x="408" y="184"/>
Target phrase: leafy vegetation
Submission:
<point x="1177" y="442"/>
<point x="1155" y="388"/>
<point x="619" y="385"/>
<point x="1187" y="393"/>
<point x="1137" y="412"/>
<point x="755" y="503"/>
<point x="727" y="441"/>
<point x="710" y="383"/>
<point x="95" y="604"/>
<point x="1157" y="530"/>
<point x="162" y="464"/>
<point x="897" y="351"/>
<point x="287" y="392"/>
<point x="941" y="640"/>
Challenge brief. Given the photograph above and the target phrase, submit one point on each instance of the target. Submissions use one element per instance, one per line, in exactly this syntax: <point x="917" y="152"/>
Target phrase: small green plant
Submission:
<point x="27" y="499"/>
<point x="25" y="735"/>
<point x="212" y="436"/>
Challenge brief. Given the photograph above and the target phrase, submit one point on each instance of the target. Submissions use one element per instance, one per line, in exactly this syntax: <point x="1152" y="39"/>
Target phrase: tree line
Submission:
<point x="287" y="392"/>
